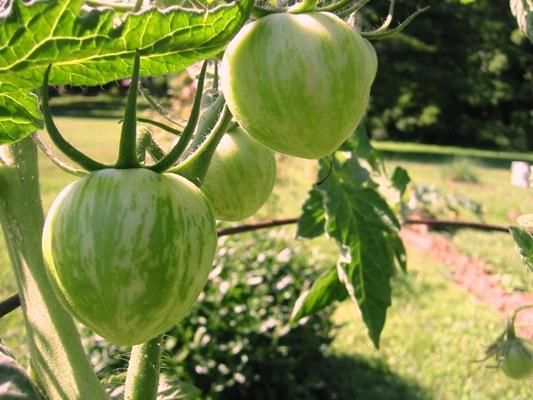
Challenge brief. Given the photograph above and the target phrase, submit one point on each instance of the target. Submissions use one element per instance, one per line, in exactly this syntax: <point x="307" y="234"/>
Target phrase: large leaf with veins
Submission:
<point x="90" y="47"/>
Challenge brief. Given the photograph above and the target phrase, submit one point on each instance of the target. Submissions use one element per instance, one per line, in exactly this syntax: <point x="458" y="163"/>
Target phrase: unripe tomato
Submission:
<point x="240" y="177"/>
<point x="129" y="251"/>
<point x="517" y="359"/>
<point x="298" y="83"/>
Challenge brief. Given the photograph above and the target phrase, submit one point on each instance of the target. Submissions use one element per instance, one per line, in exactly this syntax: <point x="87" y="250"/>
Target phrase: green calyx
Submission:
<point x="303" y="7"/>
<point x="135" y="143"/>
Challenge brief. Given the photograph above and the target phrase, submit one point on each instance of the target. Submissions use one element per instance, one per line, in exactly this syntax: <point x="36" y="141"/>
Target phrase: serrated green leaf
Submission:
<point x="19" y="113"/>
<point x="311" y="222"/>
<point x="15" y="384"/>
<point x="400" y="179"/>
<point x="523" y="12"/>
<point x="398" y="250"/>
<point x="91" y="48"/>
<point x="366" y="230"/>
<point x="524" y="243"/>
<point x="326" y="290"/>
<point x="360" y="146"/>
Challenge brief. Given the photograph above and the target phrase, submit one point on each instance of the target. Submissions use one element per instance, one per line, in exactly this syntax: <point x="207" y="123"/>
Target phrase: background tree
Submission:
<point x="461" y="76"/>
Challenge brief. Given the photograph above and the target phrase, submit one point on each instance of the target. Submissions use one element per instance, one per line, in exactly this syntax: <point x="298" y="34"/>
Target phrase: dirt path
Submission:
<point x="471" y="274"/>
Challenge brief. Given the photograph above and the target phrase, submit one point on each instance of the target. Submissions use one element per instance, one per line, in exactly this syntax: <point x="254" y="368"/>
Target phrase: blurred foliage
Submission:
<point x="460" y="169"/>
<point x="459" y="74"/>
<point x="428" y="201"/>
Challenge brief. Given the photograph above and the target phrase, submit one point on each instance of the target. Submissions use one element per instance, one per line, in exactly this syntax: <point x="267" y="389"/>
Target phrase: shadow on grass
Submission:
<point x="354" y="378"/>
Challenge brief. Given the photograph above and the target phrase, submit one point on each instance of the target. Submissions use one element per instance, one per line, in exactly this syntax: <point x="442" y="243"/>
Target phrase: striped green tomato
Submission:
<point x="240" y="177"/>
<point x="298" y="83"/>
<point x="129" y="251"/>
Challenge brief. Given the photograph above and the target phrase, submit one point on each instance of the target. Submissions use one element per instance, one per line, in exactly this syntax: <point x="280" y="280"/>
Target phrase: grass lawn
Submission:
<point x="501" y="202"/>
<point x="434" y="328"/>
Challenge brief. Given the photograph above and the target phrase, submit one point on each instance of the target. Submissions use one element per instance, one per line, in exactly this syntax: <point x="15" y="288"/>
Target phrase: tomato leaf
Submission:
<point x="14" y="381"/>
<point x="524" y="244"/>
<point x="400" y="179"/>
<point x="172" y="388"/>
<point x="19" y="113"/>
<point x="311" y="222"/>
<point x="523" y="12"/>
<point x="326" y="290"/>
<point x="97" y="46"/>
<point x="366" y="229"/>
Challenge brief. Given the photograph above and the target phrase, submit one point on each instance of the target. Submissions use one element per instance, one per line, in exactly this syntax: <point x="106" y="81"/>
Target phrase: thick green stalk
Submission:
<point x="127" y="153"/>
<point x="54" y="343"/>
<point x="303" y="7"/>
<point x="62" y="144"/>
<point x="142" y="380"/>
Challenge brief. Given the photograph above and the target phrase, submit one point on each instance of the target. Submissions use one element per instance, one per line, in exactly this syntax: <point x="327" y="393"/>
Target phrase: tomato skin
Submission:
<point x="129" y="251"/>
<point x="298" y="83"/>
<point x="240" y="177"/>
<point x="517" y="362"/>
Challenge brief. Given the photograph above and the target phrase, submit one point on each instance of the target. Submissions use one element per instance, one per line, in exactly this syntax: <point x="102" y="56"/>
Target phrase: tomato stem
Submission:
<point x="160" y="109"/>
<point x="54" y="344"/>
<point x="159" y="125"/>
<point x="172" y="157"/>
<point x="339" y="5"/>
<point x="142" y="379"/>
<point x="341" y="10"/>
<point x="195" y="166"/>
<point x="215" y="75"/>
<point x="512" y="318"/>
<point x="381" y="33"/>
<point x="303" y="7"/>
<point x="127" y="154"/>
<point x="62" y="165"/>
<point x="62" y="144"/>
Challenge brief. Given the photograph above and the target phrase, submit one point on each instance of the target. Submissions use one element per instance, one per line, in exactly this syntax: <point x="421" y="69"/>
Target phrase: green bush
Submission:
<point x="461" y="169"/>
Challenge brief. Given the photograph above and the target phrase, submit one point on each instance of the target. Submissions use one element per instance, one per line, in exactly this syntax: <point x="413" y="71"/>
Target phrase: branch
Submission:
<point x="9" y="304"/>
<point x="289" y="221"/>
<point x="457" y="224"/>
<point x="254" y="227"/>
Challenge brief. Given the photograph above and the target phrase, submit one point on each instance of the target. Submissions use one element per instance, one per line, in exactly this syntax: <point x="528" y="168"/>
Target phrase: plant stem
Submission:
<point x="138" y="5"/>
<point x="60" y="164"/>
<point x="54" y="343"/>
<point x="379" y="34"/>
<point x="127" y="154"/>
<point x="142" y="379"/>
<point x="303" y="7"/>
<point x="159" y="125"/>
<point x="170" y="159"/>
<point x="62" y="144"/>
<point x="195" y="167"/>
<point x="511" y="320"/>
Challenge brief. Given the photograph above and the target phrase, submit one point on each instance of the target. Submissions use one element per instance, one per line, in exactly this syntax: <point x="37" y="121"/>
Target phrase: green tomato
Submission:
<point x="517" y="359"/>
<point x="129" y="251"/>
<point x="240" y="177"/>
<point x="298" y="83"/>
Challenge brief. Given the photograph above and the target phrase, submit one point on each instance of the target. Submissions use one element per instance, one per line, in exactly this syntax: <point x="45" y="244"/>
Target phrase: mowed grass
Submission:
<point x="501" y="202"/>
<point x="434" y="329"/>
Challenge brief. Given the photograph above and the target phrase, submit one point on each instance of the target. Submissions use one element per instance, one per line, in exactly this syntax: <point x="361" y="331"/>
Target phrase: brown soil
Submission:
<point x="472" y="275"/>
